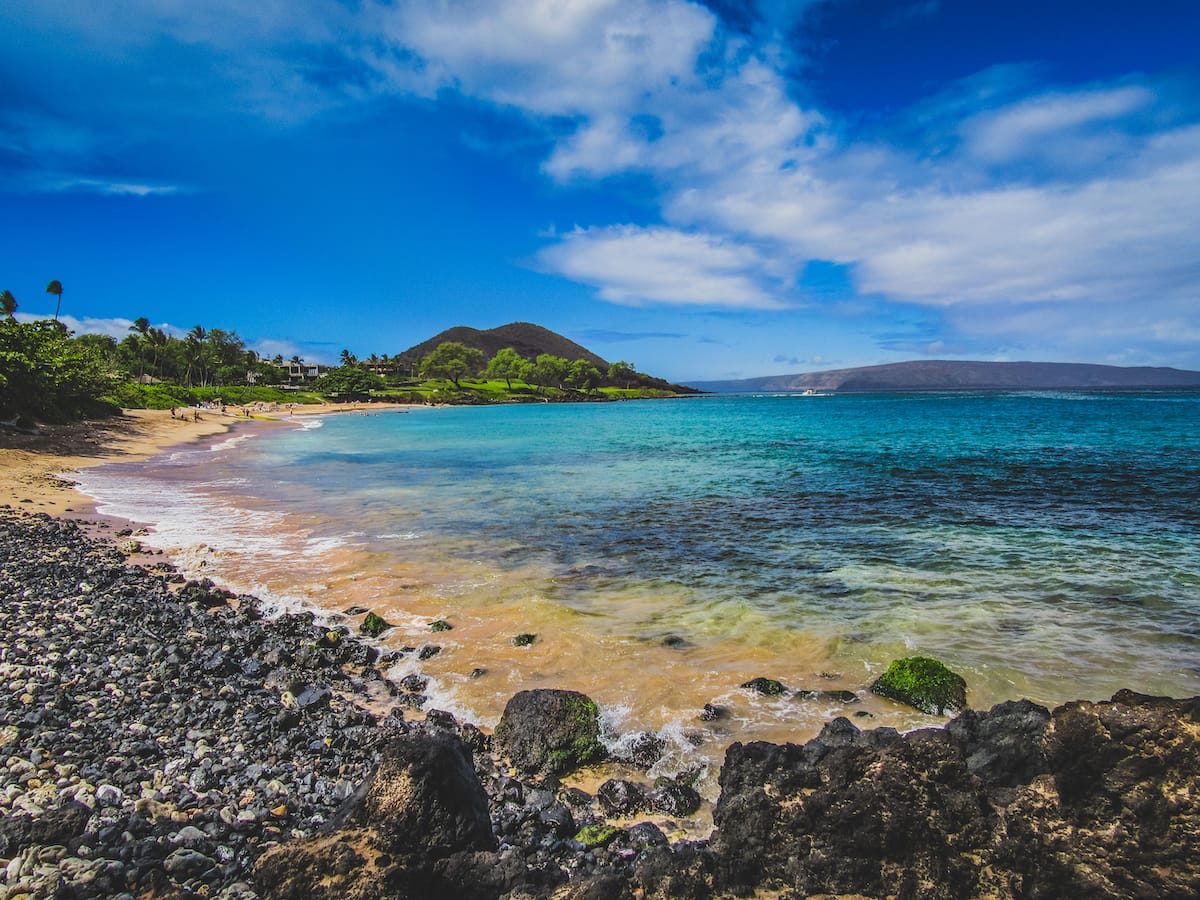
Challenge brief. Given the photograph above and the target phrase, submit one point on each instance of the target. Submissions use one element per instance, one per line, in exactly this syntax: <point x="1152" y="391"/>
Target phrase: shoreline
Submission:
<point x="36" y="469"/>
<point x="178" y="743"/>
<point x="183" y="839"/>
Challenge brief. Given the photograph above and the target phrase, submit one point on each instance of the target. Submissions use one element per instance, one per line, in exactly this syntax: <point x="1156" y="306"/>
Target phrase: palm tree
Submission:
<point x="195" y="353"/>
<point x="55" y="287"/>
<point x="140" y="326"/>
<point x="8" y="304"/>
<point x="158" y="342"/>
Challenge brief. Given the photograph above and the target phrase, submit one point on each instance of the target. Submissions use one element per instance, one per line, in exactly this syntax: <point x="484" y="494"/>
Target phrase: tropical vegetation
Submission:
<point x="48" y="374"/>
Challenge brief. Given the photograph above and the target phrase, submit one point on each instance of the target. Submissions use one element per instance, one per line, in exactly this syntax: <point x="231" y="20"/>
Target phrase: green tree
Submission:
<point x="46" y="374"/>
<point x="194" y="356"/>
<point x="105" y="346"/>
<point x="157" y="339"/>
<point x="225" y="357"/>
<point x="55" y="287"/>
<point x="549" y="370"/>
<point x="583" y="375"/>
<point x="349" y="359"/>
<point x="507" y="364"/>
<point x="452" y="360"/>
<point x="348" y="380"/>
<point x="141" y="330"/>
<point x="8" y="304"/>
<point x="622" y="371"/>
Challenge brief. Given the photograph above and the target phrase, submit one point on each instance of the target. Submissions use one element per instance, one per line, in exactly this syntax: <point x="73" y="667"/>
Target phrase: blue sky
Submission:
<point x="709" y="191"/>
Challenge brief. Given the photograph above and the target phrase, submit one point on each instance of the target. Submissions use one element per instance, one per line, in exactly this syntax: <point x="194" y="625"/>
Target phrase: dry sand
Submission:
<point x="35" y="469"/>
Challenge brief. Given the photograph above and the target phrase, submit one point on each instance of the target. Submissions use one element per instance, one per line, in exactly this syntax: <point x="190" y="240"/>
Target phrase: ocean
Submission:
<point x="1043" y="545"/>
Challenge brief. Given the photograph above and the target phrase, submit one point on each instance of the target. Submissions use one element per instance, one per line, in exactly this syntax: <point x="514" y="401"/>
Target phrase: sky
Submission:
<point x="708" y="190"/>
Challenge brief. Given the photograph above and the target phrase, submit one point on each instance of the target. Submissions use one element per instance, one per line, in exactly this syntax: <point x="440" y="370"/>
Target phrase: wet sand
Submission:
<point x="35" y="469"/>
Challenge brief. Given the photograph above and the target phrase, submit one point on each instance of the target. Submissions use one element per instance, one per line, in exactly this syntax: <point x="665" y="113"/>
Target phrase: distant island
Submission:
<point x="959" y="375"/>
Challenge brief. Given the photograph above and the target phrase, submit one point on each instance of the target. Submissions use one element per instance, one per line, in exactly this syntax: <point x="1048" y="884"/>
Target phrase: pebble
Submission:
<point x="160" y="735"/>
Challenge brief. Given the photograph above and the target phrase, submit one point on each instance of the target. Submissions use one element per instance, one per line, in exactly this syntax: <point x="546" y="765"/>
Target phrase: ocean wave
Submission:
<point x="230" y="442"/>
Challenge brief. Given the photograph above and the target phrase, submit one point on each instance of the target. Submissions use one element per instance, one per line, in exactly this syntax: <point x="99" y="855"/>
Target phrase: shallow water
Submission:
<point x="1043" y="545"/>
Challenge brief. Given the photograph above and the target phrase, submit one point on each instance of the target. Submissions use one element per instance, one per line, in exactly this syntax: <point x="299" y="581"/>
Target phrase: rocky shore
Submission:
<point x="164" y="739"/>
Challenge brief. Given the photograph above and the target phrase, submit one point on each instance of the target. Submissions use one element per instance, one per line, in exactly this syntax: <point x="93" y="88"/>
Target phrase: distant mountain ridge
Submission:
<point x="949" y="375"/>
<point x="527" y="339"/>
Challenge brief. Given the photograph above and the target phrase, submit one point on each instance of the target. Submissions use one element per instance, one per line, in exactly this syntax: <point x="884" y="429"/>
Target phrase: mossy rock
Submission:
<point x="768" y="686"/>
<point x="599" y="835"/>
<point x="923" y="683"/>
<point x="524" y="640"/>
<point x="374" y="625"/>
<point x="440" y="625"/>
<point x="550" y="732"/>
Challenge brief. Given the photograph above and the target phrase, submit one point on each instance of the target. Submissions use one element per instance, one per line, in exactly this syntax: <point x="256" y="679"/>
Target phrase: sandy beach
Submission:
<point x="35" y="469"/>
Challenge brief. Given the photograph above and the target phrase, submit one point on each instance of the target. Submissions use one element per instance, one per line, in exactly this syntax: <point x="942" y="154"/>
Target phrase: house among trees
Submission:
<point x="300" y="371"/>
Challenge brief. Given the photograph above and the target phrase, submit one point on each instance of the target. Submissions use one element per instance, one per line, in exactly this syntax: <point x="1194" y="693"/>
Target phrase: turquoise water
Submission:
<point x="1044" y="545"/>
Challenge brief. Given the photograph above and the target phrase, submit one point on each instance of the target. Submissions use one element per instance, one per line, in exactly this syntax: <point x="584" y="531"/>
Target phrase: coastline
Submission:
<point x="35" y="474"/>
<point x="181" y="845"/>
<point x="179" y="743"/>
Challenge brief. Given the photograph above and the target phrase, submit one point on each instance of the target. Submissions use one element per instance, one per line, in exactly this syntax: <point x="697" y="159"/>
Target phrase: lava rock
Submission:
<point x="923" y="683"/>
<point x="675" y="798"/>
<point x="768" y="686"/>
<point x="550" y="732"/>
<point x="642" y="749"/>
<point x="374" y="625"/>
<point x="622" y="798"/>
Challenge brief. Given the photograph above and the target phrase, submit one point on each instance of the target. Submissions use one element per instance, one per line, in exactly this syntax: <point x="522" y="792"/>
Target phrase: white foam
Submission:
<point x="679" y="753"/>
<point x="230" y="442"/>
<point x="441" y="691"/>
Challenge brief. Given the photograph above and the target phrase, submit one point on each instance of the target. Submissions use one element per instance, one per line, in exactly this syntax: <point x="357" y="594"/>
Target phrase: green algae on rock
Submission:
<point x="923" y="683"/>
<point x="599" y="835"/>
<point x="768" y="686"/>
<point x="374" y="625"/>
<point x="550" y="731"/>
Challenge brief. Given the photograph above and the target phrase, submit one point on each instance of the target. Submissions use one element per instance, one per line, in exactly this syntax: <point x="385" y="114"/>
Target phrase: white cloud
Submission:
<point x="1024" y="129"/>
<point x="555" y="57"/>
<point x="269" y="348"/>
<point x="114" y="188"/>
<point x="634" y="266"/>
<point x="115" y="327"/>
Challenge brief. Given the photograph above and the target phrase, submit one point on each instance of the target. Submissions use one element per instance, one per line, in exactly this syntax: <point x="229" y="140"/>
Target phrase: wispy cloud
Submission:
<point x="606" y="336"/>
<point x="114" y="188"/>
